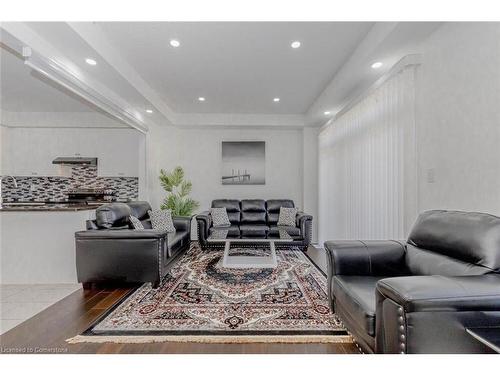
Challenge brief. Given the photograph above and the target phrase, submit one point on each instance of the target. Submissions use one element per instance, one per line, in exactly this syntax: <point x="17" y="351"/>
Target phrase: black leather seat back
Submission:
<point x="273" y="209"/>
<point x="253" y="211"/>
<point x="113" y="215"/>
<point x="453" y="243"/>
<point x="232" y="207"/>
<point x="140" y="209"/>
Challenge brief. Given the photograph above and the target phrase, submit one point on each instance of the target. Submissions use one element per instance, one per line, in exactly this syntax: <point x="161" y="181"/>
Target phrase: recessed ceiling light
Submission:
<point x="90" y="61"/>
<point x="276" y="99"/>
<point x="327" y="113"/>
<point x="376" y="65"/>
<point x="295" y="44"/>
<point x="175" y="43"/>
<point x="149" y="110"/>
<point x="201" y="99"/>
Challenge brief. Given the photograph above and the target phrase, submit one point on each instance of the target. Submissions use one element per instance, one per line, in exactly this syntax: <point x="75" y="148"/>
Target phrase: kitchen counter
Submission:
<point x="47" y="207"/>
<point x="37" y="243"/>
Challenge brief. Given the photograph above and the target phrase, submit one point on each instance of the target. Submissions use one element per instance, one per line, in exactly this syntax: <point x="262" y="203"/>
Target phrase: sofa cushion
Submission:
<point x="292" y="231"/>
<point x="146" y="223"/>
<point x="136" y="223"/>
<point x="254" y="230"/>
<point x="467" y="236"/>
<point x="253" y="211"/>
<point x="425" y="262"/>
<point x="219" y="217"/>
<point x="287" y="216"/>
<point x="273" y="209"/>
<point x="232" y="207"/>
<point x="162" y="220"/>
<point x="274" y="205"/>
<point x="232" y="231"/>
<point x="113" y="215"/>
<point x="140" y="209"/>
<point x="253" y="218"/>
<point x="356" y="295"/>
<point x="253" y="205"/>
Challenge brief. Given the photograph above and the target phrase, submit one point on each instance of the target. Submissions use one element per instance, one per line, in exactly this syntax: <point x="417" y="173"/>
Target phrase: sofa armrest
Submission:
<point x="433" y="293"/>
<point x="131" y="234"/>
<point x="206" y="217"/>
<point x="430" y="314"/>
<point x="302" y="217"/>
<point x="204" y="220"/>
<point x="304" y="222"/>
<point x="365" y="258"/>
<point x="182" y="223"/>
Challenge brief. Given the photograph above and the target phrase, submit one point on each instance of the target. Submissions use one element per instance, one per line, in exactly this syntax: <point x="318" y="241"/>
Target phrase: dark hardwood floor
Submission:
<point x="48" y="330"/>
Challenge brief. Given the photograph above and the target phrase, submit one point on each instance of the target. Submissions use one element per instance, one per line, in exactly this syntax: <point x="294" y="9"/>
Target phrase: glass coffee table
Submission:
<point x="248" y="252"/>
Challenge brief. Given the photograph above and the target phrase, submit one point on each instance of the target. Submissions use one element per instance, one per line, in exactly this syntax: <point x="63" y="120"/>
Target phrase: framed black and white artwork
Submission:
<point x="243" y="163"/>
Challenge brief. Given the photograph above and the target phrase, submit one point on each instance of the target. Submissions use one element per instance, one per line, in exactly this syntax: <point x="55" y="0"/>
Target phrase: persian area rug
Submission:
<point x="201" y="301"/>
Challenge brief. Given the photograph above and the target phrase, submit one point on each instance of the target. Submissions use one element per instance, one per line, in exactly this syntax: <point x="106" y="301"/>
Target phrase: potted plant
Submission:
<point x="178" y="190"/>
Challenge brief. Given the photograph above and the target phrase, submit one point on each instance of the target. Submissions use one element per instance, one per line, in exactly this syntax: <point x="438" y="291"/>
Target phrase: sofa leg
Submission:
<point x="87" y="286"/>
<point x="155" y="284"/>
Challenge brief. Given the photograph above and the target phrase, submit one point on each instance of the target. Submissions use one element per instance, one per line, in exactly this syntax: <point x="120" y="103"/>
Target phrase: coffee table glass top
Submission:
<point x="224" y="235"/>
<point x="259" y="255"/>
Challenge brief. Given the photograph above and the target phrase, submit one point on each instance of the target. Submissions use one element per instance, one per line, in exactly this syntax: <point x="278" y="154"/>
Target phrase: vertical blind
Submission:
<point x="367" y="165"/>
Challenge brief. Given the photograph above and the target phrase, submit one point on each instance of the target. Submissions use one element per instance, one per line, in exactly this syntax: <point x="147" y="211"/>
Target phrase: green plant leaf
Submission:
<point x="177" y="176"/>
<point x="165" y="181"/>
<point x="177" y="189"/>
<point x="186" y="187"/>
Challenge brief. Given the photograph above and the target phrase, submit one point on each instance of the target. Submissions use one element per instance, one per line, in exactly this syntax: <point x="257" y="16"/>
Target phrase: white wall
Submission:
<point x="198" y="151"/>
<point x="3" y="142"/>
<point x="458" y="119"/>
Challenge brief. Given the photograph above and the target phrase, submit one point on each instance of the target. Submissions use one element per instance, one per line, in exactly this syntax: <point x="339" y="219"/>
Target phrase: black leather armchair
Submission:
<point x="111" y="251"/>
<point x="420" y="296"/>
<point x="256" y="218"/>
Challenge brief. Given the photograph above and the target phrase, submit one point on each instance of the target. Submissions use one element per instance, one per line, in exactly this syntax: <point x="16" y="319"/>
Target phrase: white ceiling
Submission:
<point x="23" y="90"/>
<point x="237" y="67"/>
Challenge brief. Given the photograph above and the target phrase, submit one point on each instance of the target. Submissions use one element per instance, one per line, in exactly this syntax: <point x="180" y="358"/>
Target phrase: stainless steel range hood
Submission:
<point x="78" y="160"/>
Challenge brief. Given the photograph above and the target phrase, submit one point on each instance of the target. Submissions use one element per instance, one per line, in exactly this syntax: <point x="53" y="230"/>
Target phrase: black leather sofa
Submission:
<point x="420" y="296"/>
<point x="256" y="218"/>
<point x="109" y="250"/>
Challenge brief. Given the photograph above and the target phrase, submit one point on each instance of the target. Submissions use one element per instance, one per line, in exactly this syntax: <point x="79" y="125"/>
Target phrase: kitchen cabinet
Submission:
<point x="30" y="151"/>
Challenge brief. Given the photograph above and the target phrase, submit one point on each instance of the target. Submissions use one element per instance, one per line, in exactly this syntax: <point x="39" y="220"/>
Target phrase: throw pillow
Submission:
<point x="136" y="223"/>
<point x="219" y="217"/>
<point x="287" y="216"/>
<point x="162" y="220"/>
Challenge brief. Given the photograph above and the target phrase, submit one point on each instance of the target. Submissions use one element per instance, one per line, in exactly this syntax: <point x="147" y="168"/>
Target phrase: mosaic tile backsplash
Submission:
<point x="56" y="188"/>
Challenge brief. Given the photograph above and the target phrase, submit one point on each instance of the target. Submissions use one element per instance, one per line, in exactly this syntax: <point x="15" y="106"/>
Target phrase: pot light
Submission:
<point x="326" y="113"/>
<point x="175" y="43"/>
<point x="201" y="99"/>
<point x="149" y="110"/>
<point x="376" y="65"/>
<point x="90" y="61"/>
<point x="276" y="99"/>
<point x="295" y="44"/>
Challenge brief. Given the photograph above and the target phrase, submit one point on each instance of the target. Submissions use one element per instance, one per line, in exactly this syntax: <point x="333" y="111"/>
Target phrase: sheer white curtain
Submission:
<point x="367" y="165"/>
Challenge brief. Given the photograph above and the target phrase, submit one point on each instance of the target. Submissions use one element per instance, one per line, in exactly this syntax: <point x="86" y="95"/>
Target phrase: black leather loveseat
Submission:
<point x="420" y="296"/>
<point x="256" y="218"/>
<point x="109" y="250"/>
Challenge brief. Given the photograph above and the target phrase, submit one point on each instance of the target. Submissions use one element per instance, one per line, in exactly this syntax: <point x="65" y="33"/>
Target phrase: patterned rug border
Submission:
<point x="236" y="339"/>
